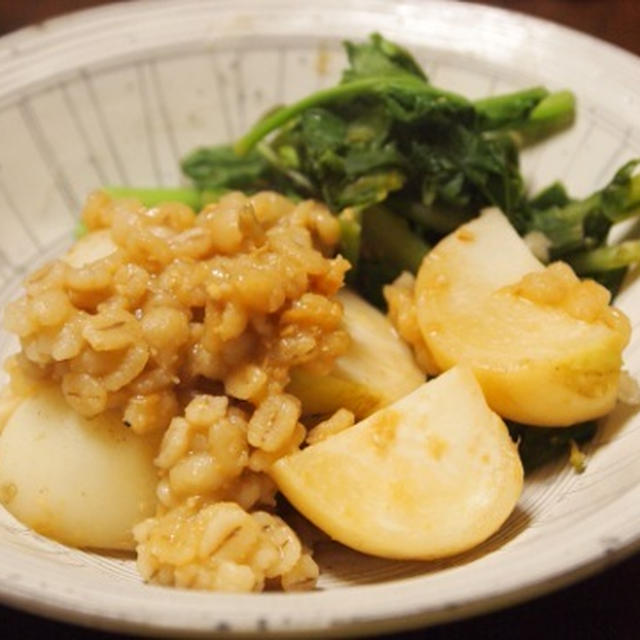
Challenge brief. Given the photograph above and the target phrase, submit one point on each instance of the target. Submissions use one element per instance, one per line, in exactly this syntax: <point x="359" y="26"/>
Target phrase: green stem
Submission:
<point x="551" y="114"/>
<point x="498" y="111"/>
<point x="564" y="226"/>
<point x="434" y="218"/>
<point x="634" y="192"/>
<point x="152" y="197"/>
<point x="630" y="204"/>
<point x="605" y="258"/>
<point x="376" y="85"/>
<point x="389" y="237"/>
<point x="585" y="223"/>
<point x="297" y="178"/>
<point x="350" y="236"/>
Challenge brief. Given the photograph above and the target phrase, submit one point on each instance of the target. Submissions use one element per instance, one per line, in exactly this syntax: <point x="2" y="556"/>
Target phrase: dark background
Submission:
<point x="606" y="606"/>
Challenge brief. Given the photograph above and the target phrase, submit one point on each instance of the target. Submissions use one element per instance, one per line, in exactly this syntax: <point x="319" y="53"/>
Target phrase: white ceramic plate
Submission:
<point x="118" y="94"/>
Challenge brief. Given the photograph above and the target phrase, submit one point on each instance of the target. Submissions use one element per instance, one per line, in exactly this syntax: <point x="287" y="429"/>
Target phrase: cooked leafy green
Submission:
<point x="540" y="445"/>
<point x="385" y="135"/>
<point x="581" y="225"/>
<point x="385" y="139"/>
<point x="402" y="163"/>
<point x="220" y="167"/>
<point x="530" y="115"/>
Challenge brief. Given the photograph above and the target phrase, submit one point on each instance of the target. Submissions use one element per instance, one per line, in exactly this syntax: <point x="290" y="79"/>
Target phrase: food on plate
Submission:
<point x="433" y="474"/>
<point x="199" y="342"/>
<point x="376" y="369"/>
<point x="545" y="346"/>
<point x="90" y="248"/>
<point x="186" y="326"/>
<point x="83" y="481"/>
<point x="403" y="163"/>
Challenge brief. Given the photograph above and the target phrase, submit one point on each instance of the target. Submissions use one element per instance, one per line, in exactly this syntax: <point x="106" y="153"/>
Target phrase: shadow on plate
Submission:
<point x="612" y="427"/>
<point x="341" y="567"/>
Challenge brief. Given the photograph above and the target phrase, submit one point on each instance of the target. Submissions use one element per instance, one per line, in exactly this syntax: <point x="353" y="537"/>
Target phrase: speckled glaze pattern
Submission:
<point x="116" y="95"/>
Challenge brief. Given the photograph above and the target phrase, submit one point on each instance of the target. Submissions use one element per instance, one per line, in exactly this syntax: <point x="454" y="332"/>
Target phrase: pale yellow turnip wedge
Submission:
<point x="377" y="369"/>
<point x="84" y="482"/>
<point x="545" y="347"/>
<point x="432" y="475"/>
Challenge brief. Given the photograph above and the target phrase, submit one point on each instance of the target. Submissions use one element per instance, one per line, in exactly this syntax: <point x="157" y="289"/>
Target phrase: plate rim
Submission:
<point x="580" y="568"/>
